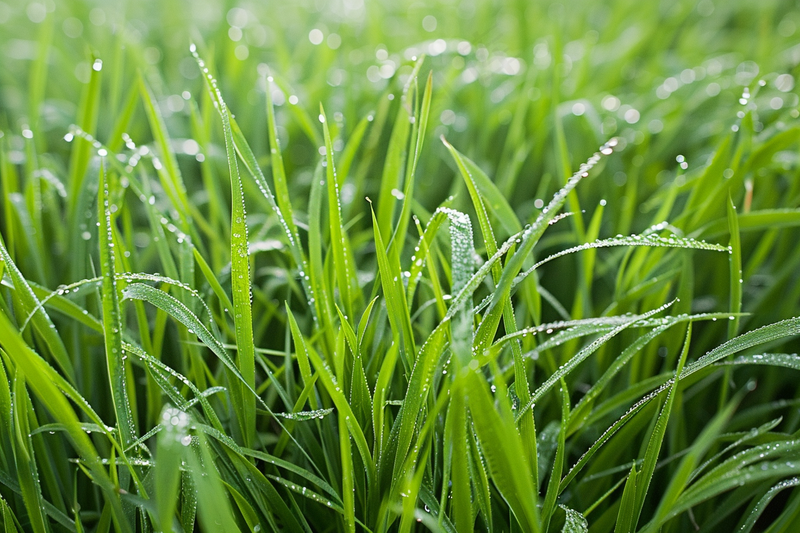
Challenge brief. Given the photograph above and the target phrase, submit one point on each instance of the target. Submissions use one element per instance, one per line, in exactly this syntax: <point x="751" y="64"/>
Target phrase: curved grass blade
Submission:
<point x="580" y="357"/>
<point x="765" y="500"/>
<point x="651" y="240"/>
<point x="41" y="321"/>
<point x="779" y="330"/>
<point x="657" y="436"/>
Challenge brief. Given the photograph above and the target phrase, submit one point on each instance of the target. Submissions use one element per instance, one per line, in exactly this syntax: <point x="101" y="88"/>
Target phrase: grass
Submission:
<point x="379" y="266"/>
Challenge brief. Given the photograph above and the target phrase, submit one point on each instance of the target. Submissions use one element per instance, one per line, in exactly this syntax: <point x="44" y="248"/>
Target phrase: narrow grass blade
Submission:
<point x="551" y="495"/>
<point x="394" y="294"/>
<point x="112" y="318"/>
<point x="27" y="473"/>
<point x="765" y="500"/>
<point x="342" y="257"/>
<point x="627" y="506"/>
<point x="657" y="436"/>
<point x="240" y="275"/>
<point x="580" y="357"/>
<point x="530" y="236"/>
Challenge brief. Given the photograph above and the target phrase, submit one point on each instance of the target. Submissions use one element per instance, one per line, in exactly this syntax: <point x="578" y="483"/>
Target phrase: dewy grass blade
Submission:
<point x="394" y="295"/>
<point x="502" y="447"/>
<point x="27" y="473"/>
<point x="392" y="171"/>
<point x="468" y="171"/>
<point x="184" y="315"/>
<point x="168" y="169"/>
<point x="580" y="357"/>
<point x="650" y="239"/>
<point x="762" y="504"/>
<point x="342" y="257"/>
<point x="420" y="123"/>
<point x="574" y="522"/>
<point x="689" y="463"/>
<point x="213" y="503"/>
<point x="112" y="318"/>
<point x="558" y="461"/>
<point x="736" y="281"/>
<point x="281" y="205"/>
<point x="240" y="273"/>
<point x="530" y="236"/>
<point x="779" y="330"/>
<point x="657" y="437"/>
<point x="82" y="149"/>
<point x="461" y="270"/>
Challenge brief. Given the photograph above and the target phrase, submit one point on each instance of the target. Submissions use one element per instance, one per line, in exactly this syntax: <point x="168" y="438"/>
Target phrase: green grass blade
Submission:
<point x="657" y="436"/>
<point x="342" y="257"/>
<point x="394" y="294"/>
<point x="765" y="500"/>
<point x="627" y="506"/>
<point x="502" y="447"/>
<point x="240" y="276"/>
<point x="24" y="457"/>
<point x="530" y="236"/>
<point x="112" y="318"/>
<point x="551" y="495"/>
<point x="580" y="357"/>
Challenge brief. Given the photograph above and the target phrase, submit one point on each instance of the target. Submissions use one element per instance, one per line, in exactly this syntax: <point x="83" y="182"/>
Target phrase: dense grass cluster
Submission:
<point x="354" y="265"/>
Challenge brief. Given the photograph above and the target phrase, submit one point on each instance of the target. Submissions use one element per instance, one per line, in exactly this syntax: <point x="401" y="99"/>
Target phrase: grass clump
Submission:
<point x="384" y="267"/>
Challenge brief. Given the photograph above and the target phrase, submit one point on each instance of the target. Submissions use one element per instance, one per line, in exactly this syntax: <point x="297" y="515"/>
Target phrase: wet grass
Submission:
<point x="385" y="267"/>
